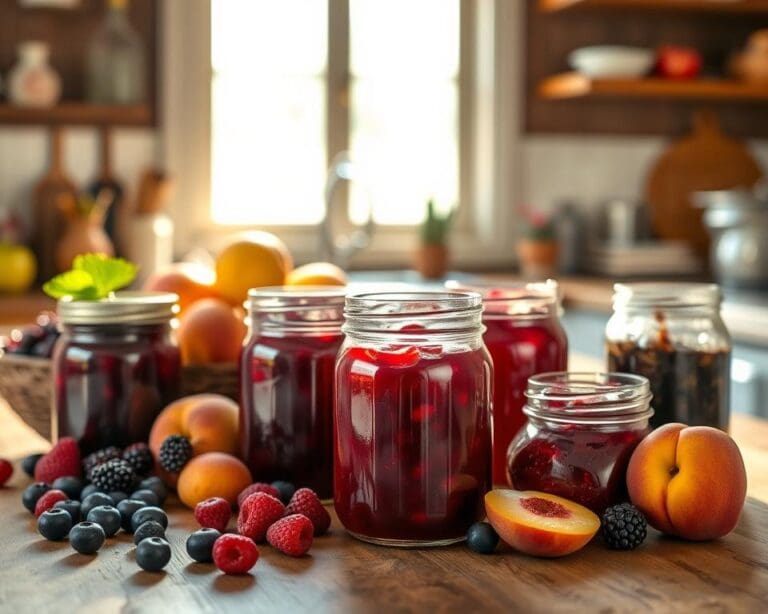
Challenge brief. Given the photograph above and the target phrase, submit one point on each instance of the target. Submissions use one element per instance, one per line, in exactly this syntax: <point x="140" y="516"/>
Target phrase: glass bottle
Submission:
<point x="412" y="417"/>
<point x="115" y="366"/>
<point x="672" y="333"/>
<point x="582" y="429"/>
<point x="32" y="82"/>
<point x="286" y="384"/>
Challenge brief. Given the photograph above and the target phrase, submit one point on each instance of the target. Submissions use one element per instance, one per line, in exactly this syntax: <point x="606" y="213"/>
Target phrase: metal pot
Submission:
<point x="738" y="222"/>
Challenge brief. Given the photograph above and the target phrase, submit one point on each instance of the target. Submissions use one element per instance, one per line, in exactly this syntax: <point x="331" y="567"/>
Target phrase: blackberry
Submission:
<point x="139" y="457"/>
<point x="99" y="457"/>
<point x="114" y="475"/>
<point x="175" y="451"/>
<point x="624" y="527"/>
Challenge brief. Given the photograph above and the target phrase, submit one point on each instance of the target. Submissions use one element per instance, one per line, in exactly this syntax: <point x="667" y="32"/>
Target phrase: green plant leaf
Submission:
<point x="75" y="284"/>
<point x="109" y="274"/>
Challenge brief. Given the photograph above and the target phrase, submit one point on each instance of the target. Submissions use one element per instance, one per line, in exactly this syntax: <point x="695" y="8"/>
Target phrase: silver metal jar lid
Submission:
<point x="120" y="308"/>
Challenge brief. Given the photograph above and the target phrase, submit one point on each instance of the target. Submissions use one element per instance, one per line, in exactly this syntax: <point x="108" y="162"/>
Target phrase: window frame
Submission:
<point x="483" y="234"/>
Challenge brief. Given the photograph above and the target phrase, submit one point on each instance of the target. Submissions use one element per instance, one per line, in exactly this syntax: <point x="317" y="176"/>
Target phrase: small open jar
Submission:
<point x="412" y="417"/>
<point x="286" y="384"/>
<point x="115" y="366"/>
<point x="582" y="429"/>
<point x="673" y="334"/>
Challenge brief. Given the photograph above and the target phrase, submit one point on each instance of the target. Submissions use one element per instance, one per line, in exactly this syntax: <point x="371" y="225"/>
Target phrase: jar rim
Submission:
<point x="279" y="298"/>
<point x="127" y="307"/>
<point x="523" y="299"/>
<point x="666" y="295"/>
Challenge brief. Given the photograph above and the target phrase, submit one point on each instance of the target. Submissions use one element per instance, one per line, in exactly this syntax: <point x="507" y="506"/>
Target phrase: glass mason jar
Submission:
<point x="582" y="429"/>
<point x="673" y="334"/>
<point x="115" y="366"/>
<point x="286" y="384"/>
<point x="524" y="336"/>
<point x="412" y="417"/>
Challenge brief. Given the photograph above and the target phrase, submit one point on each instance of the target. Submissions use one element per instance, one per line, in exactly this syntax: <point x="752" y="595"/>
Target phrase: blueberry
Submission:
<point x="107" y="517"/>
<point x="54" y="524"/>
<point x="29" y="463"/>
<point x="86" y="537"/>
<point x="32" y="493"/>
<point x="482" y="538"/>
<point x="153" y="554"/>
<point x="88" y="490"/>
<point x="200" y="545"/>
<point x="71" y="506"/>
<point x="156" y="485"/>
<point x="148" y="496"/>
<point x="149" y="513"/>
<point x="71" y="485"/>
<point x="127" y="508"/>
<point x="94" y="500"/>
<point x="286" y="490"/>
<point x="117" y="496"/>
<point x="148" y="529"/>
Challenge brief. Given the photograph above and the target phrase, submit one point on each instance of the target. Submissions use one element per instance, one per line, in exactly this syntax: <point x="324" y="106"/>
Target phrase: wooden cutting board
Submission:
<point x="706" y="159"/>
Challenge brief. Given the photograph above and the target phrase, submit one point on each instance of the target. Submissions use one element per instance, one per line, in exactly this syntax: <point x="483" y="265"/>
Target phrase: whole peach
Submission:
<point x="213" y="474"/>
<point x="689" y="481"/>
<point x="211" y="330"/>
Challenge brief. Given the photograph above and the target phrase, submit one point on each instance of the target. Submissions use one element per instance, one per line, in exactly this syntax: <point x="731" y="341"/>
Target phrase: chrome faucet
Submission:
<point x="339" y="248"/>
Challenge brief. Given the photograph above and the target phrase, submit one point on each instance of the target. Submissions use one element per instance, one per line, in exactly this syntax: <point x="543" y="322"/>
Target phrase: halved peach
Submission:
<point x="538" y="523"/>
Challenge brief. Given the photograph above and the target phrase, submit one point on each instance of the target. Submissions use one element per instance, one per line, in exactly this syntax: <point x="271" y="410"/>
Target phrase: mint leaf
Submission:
<point x="75" y="284"/>
<point x="108" y="274"/>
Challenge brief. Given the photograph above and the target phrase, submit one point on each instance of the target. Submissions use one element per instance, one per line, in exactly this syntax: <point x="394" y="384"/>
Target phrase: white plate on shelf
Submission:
<point x="612" y="61"/>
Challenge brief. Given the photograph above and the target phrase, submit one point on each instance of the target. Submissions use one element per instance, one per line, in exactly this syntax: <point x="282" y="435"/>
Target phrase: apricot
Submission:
<point x="538" y="523"/>
<point x="211" y="331"/>
<point x="213" y="474"/>
<point x="689" y="481"/>
<point x="190" y="281"/>
<point x="317" y="274"/>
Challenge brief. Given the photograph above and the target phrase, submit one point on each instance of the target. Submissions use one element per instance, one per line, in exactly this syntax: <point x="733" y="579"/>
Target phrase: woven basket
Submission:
<point x="25" y="382"/>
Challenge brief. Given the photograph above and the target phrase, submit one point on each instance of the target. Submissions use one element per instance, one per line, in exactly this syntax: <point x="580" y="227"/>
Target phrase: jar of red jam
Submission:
<point x="524" y="336"/>
<point x="412" y="417"/>
<point x="672" y="333"/>
<point x="115" y="366"/>
<point x="286" y="384"/>
<point x="582" y="429"/>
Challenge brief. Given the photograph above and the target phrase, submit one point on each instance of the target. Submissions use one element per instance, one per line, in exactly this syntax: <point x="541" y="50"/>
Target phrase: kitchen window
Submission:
<point x="409" y="87"/>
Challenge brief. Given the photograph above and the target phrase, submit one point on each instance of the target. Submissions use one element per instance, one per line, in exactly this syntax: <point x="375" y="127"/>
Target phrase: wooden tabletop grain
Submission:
<point x="344" y="575"/>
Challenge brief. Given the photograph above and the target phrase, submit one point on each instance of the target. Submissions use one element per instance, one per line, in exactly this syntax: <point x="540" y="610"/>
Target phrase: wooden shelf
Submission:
<point x="701" y="6"/>
<point x="575" y="85"/>
<point x="78" y="114"/>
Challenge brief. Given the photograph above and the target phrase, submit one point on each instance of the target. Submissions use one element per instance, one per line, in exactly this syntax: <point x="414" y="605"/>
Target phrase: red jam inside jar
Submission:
<point x="413" y="433"/>
<point x="524" y="337"/>
<point x="115" y="366"/>
<point x="287" y="385"/>
<point x="582" y="429"/>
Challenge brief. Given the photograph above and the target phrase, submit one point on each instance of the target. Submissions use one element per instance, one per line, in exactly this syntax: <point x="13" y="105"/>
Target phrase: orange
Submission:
<point x="317" y="274"/>
<point x="261" y="259"/>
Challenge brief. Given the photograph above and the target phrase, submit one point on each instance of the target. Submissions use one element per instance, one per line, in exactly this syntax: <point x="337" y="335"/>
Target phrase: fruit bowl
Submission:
<point x="25" y="382"/>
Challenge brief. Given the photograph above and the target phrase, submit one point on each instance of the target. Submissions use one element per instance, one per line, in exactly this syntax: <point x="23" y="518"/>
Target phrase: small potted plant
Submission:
<point x="431" y="258"/>
<point x="537" y="249"/>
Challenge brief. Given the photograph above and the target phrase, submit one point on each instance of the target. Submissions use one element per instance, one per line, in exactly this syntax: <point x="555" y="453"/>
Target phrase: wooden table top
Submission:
<point x="344" y="575"/>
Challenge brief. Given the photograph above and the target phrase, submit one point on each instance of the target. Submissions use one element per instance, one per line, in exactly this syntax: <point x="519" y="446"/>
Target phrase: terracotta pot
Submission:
<point x="537" y="259"/>
<point x="431" y="260"/>
<point x="82" y="235"/>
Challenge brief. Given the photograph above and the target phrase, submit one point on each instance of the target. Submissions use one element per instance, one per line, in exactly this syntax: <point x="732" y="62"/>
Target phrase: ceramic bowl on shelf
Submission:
<point x="612" y="61"/>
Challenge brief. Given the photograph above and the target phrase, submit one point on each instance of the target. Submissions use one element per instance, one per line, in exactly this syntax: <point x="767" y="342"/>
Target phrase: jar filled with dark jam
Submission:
<point x="286" y="384"/>
<point x="673" y="334"/>
<point x="412" y="418"/>
<point x="582" y="429"/>
<point x="115" y="366"/>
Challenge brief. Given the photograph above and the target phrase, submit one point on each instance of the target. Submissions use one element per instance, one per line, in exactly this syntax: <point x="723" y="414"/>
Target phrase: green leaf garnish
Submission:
<point x="93" y="277"/>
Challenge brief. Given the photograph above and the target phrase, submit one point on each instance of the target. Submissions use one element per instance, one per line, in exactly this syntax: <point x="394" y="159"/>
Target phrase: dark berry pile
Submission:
<point x="175" y="452"/>
<point x="114" y="475"/>
<point x="100" y="457"/>
<point x="624" y="527"/>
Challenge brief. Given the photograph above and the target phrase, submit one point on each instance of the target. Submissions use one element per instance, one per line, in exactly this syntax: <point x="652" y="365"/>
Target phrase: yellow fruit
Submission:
<point x="257" y="261"/>
<point x="317" y="274"/>
<point x="18" y="268"/>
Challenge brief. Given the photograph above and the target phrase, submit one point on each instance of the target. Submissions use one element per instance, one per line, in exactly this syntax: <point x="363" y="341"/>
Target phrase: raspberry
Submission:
<point x="63" y="460"/>
<point x="213" y="513"/>
<point x="291" y="535"/>
<point x="257" y="487"/>
<point x="257" y="513"/>
<point x="305" y="501"/>
<point x="139" y="457"/>
<point x="175" y="452"/>
<point x="6" y="471"/>
<point x="48" y="500"/>
<point x="235" y="554"/>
